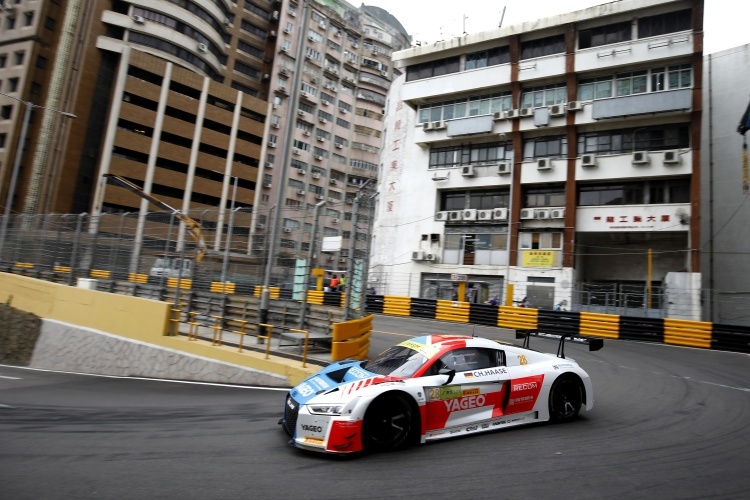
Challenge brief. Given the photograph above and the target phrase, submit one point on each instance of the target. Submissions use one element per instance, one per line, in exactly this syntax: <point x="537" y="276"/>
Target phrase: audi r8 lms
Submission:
<point x="433" y="387"/>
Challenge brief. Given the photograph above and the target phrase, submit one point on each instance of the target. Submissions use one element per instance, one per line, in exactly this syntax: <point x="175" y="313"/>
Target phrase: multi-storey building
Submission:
<point x="549" y="155"/>
<point x="329" y="82"/>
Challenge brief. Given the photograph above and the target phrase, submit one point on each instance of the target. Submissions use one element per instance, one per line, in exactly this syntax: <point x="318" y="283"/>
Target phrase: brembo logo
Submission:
<point x="312" y="428"/>
<point x="525" y="387"/>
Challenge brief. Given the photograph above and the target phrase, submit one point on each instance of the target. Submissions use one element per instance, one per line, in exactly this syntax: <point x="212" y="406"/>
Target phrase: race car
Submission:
<point x="434" y="387"/>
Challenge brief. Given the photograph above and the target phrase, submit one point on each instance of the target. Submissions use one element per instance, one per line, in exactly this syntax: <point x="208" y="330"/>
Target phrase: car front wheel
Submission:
<point x="565" y="399"/>
<point x="387" y="423"/>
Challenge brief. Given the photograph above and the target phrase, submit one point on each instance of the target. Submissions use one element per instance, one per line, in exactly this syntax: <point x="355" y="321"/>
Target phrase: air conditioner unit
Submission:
<point x="588" y="160"/>
<point x="284" y="49"/>
<point x="557" y="110"/>
<point x="500" y="213"/>
<point x="342" y="110"/>
<point x="319" y="196"/>
<point x="558" y="213"/>
<point x="271" y="144"/>
<point x="333" y="182"/>
<point x="428" y="126"/>
<point x="310" y="38"/>
<point x="269" y="164"/>
<point x="526" y="112"/>
<point x="484" y="215"/>
<point x="276" y="125"/>
<point x="442" y="216"/>
<point x="320" y="138"/>
<point x="266" y="76"/>
<point x="640" y="158"/>
<point x="266" y="184"/>
<point x="283" y="71"/>
<point x="316" y="175"/>
<point x="467" y="170"/>
<point x="332" y="200"/>
<point x="438" y="125"/>
<point x="511" y="113"/>
<point x="342" y="260"/>
<point x="543" y="164"/>
<point x="287" y="30"/>
<point x="672" y="157"/>
<point x="306" y="133"/>
<point x="499" y="115"/>
<point x="322" y="25"/>
<point x="322" y="120"/>
<point x="470" y="214"/>
<point x="260" y="225"/>
<point x="339" y="146"/>
<point x="304" y="94"/>
<point x="291" y="13"/>
<point x="542" y="214"/>
<point x="355" y="45"/>
<point x="455" y="215"/>
<point x="417" y="255"/>
<point x="301" y="171"/>
<point x="575" y="106"/>
<point x="503" y="168"/>
<point x="139" y="19"/>
<point x="300" y="112"/>
<point x="203" y="47"/>
<point x="527" y="213"/>
<point x="430" y="257"/>
<point x="324" y="103"/>
<point x="275" y="15"/>
<point x="296" y="151"/>
<point x="287" y="229"/>
<point x="272" y="33"/>
<point x="334" y="221"/>
<point x="319" y="158"/>
<point x="300" y="191"/>
<point x="337" y="34"/>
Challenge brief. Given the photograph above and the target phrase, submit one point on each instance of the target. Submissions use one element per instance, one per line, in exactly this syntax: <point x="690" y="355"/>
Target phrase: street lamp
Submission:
<point x="17" y="162"/>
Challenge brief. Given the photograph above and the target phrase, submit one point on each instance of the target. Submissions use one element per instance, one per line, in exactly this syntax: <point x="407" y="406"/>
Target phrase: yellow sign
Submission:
<point x="538" y="258"/>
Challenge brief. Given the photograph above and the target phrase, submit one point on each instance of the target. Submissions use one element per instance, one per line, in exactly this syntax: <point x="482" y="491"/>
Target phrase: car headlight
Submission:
<point x="322" y="409"/>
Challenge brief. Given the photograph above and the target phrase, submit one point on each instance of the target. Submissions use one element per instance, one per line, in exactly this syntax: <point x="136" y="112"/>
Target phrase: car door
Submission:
<point x="476" y="393"/>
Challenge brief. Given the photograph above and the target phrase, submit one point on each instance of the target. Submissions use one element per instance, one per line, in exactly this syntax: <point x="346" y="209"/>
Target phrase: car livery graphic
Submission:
<point x="434" y="387"/>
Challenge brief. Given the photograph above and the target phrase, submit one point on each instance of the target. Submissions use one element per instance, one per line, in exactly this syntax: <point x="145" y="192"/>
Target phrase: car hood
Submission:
<point x="347" y="376"/>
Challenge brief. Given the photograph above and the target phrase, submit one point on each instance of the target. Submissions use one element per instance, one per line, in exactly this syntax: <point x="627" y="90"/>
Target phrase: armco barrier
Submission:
<point x="687" y="333"/>
<point x="448" y="310"/>
<point x="700" y="334"/>
<point x="351" y="339"/>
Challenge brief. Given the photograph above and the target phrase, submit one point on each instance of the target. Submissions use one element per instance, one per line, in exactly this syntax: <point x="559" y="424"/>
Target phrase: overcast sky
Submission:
<point x="725" y="24"/>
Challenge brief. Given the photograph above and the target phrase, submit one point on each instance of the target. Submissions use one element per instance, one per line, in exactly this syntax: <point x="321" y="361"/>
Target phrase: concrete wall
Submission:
<point x="103" y="333"/>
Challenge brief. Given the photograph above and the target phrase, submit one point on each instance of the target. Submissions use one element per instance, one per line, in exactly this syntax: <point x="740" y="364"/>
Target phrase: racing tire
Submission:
<point x="388" y="424"/>
<point x="565" y="399"/>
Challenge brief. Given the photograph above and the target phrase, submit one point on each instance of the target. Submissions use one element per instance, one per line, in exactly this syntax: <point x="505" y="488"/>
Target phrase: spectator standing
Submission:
<point x="342" y="283"/>
<point x="335" y="283"/>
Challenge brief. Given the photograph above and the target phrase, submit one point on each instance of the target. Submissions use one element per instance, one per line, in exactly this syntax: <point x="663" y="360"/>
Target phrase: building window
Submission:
<point x="433" y="68"/>
<point x="635" y="139"/>
<point x="545" y="147"/>
<point x="460" y="108"/>
<point x="477" y="199"/>
<point x="3" y="139"/>
<point x="538" y="97"/>
<point x="605" y="35"/>
<point x="491" y="57"/>
<point x="475" y="249"/>
<point x="540" y="241"/>
<point x="471" y="154"/>
<point x="652" y="192"/>
<point x="6" y="111"/>
<point x="543" y="47"/>
<point x="536" y="197"/>
<point x="662" y="24"/>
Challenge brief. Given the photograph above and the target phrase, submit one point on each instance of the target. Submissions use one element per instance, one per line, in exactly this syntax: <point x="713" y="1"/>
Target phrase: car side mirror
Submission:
<point x="448" y="371"/>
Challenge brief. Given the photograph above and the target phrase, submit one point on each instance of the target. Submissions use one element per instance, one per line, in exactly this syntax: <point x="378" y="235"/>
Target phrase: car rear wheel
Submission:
<point x="387" y="424"/>
<point x="565" y="398"/>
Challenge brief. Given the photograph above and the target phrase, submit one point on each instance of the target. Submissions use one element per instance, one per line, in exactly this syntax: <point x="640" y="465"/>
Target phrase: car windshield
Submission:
<point x="398" y="361"/>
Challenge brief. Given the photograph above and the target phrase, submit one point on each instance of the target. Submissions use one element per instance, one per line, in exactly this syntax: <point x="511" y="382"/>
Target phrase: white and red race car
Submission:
<point x="433" y="387"/>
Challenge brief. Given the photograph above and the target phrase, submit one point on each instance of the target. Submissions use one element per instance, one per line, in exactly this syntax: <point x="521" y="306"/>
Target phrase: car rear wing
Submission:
<point x="594" y="343"/>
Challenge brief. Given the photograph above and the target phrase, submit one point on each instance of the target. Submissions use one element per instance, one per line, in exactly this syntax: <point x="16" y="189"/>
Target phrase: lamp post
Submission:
<point x="17" y="162"/>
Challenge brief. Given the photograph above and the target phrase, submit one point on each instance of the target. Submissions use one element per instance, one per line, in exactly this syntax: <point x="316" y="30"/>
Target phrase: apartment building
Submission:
<point x="560" y="156"/>
<point x="331" y="73"/>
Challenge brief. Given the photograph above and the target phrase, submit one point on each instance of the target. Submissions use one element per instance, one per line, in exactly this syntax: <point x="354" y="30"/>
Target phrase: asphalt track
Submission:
<point x="668" y="422"/>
